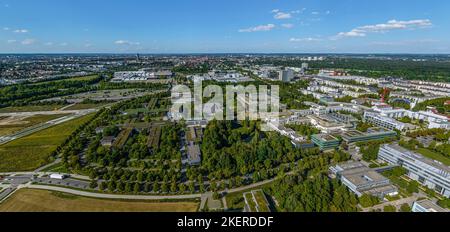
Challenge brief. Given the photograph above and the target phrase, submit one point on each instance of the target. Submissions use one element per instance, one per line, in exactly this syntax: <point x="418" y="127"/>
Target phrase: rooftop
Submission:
<point x="419" y="157"/>
<point x="430" y="206"/>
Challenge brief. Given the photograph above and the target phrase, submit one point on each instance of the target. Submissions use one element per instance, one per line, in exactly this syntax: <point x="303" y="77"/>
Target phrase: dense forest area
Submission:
<point x="310" y="189"/>
<point x="231" y="149"/>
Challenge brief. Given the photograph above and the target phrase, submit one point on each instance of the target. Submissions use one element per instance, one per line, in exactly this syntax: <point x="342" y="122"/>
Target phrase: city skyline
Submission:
<point x="252" y="26"/>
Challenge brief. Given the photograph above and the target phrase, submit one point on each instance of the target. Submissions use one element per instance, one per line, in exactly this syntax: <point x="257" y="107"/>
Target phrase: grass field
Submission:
<point x="30" y="200"/>
<point x="31" y="152"/>
<point x="82" y="106"/>
<point x="82" y="78"/>
<point x="433" y="155"/>
<point x="236" y="200"/>
<point x="27" y="122"/>
<point x="30" y="108"/>
<point x="261" y="201"/>
<point x="59" y="167"/>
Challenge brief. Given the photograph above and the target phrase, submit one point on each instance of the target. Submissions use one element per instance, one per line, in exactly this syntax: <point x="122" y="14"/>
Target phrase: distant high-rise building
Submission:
<point x="286" y="75"/>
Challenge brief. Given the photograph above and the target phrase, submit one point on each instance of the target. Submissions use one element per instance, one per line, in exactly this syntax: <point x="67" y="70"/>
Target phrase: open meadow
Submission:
<point x="30" y="200"/>
<point x="31" y="152"/>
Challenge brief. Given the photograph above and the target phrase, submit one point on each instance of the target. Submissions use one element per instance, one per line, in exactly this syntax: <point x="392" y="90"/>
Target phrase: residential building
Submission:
<point x="428" y="172"/>
<point x="286" y="75"/>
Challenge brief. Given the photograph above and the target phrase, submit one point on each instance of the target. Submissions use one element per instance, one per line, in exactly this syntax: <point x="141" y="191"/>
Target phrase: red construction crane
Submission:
<point x="385" y="95"/>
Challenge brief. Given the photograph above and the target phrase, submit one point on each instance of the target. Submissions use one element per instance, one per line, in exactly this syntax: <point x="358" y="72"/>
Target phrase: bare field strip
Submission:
<point x="31" y="200"/>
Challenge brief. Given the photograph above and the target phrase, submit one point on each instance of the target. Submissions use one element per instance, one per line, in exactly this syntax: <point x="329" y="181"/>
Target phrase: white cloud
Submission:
<point x="267" y="27"/>
<point x="28" y="41"/>
<point x="386" y="27"/>
<point x="309" y="39"/>
<point x="48" y="44"/>
<point x="11" y="41"/>
<point x="63" y="44"/>
<point x="6" y="28"/>
<point x="352" y="33"/>
<point x="282" y="15"/>
<point x="126" y="42"/>
<point x="275" y="11"/>
<point x="298" y="11"/>
<point x="314" y="13"/>
<point x="327" y="12"/>
<point x="287" y="25"/>
<point x="21" y="31"/>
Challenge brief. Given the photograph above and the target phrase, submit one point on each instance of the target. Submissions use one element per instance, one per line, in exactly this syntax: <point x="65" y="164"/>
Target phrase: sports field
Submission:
<point x="31" y="152"/>
<point x="30" y="200"/>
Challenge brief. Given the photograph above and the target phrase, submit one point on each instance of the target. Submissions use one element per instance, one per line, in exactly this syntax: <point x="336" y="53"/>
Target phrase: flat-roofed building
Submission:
<point x="327" y="124"/>
<point x="326" y="141"/>
<point x="354" y="136"/>
<point x="428" y="172"/>
<point x="386" y="122"/>
<point x="427" y="206"/>
<point x="194" y="154"/>
<point x="363" y="180"/>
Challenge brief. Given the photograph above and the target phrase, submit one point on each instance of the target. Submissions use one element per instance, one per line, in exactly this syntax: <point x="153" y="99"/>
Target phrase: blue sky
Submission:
<point x="225" y="26"/>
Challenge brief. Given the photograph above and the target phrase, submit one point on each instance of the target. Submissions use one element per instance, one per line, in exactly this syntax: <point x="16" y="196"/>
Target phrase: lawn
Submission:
<point x="30" y="200"/>
<point x="33" y="151"/>
<point x="261" y="201"/>
<point x="433" y="155"/>
<point x="82" y="78"/>
<point x="251" y="203"/>
<point x="236" y="201"/>
<point x="14" y="109"/>
<point x="59" y="167"/>
<point x="27" y="122"/>
<point x="83" y="106"/>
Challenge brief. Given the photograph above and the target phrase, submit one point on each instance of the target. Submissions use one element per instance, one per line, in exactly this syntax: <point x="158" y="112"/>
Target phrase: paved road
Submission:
<point x="113" y="196"/>
<point x="6" y="193"/>
<point x="57" y="161"/>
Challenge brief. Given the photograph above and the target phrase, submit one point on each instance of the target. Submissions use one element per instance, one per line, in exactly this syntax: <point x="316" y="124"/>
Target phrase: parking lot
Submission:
<point x="69" y="182"/>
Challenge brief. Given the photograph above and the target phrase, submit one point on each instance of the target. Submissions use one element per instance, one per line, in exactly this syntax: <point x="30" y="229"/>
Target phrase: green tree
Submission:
<point x="389" y="208"/>
<point x="367" y="200"/>
<point x="405" y="208"/>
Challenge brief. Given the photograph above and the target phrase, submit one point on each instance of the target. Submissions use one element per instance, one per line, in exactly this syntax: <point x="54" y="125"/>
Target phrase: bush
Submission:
<point x="390" y="208"/>
<point x="368" y="200"/>
<point x="405" y="208"/>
